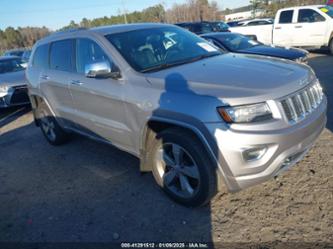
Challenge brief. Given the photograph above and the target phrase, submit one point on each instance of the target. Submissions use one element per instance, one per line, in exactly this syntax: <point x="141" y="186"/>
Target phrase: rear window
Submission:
<point x="286" y="16"/>
<point x="62" y="55"/>
<point x="41" y="56"/>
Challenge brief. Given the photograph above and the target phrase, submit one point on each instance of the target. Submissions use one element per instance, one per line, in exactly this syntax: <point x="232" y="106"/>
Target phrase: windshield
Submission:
<point x="159" y="48"/>
<point x="10" y="65"/>
<point x="328" y="10"/>
<point x="235" y="42"/>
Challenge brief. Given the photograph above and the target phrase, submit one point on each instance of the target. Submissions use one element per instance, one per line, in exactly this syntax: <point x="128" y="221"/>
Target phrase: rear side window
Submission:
<point x="87" y="52"/>
<point x="41" y="56"/>
<point x="286" y="16"/>
<point x="309" y="15"/>
<point x="62" y="55"/>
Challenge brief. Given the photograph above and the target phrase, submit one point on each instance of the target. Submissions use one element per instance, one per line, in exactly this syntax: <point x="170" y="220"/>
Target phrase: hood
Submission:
<point x="237" y="79"/>
<point x="13" y="79"/>
<point x="286" y="53"/>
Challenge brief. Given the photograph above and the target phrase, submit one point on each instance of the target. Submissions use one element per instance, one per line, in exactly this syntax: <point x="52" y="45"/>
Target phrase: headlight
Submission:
<point x="4" y="88"/>
<point x="245" y="114"/>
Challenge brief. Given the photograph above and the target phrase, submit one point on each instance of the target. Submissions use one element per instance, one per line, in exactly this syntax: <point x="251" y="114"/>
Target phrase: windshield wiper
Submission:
<point x="177" y="63"/>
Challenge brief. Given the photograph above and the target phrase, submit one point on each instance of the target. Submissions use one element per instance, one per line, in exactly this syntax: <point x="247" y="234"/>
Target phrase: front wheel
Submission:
<point x="182" y="167"/>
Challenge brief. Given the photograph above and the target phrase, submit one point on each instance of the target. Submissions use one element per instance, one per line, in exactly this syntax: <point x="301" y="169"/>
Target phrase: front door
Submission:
<point x="310" y="29"/>
<point x="99" y="103"/>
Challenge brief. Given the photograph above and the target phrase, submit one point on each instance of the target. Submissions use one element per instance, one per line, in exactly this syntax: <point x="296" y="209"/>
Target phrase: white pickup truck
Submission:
<point x="303" y="26"/>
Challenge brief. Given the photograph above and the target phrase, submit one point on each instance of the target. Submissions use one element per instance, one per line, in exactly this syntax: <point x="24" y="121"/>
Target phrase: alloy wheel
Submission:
<point x="178" y="171"/>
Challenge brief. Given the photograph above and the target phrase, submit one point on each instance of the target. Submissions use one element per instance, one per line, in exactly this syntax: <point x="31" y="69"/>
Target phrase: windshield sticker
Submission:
<point x="325" y="10"/>
<point x="207" y="47"/>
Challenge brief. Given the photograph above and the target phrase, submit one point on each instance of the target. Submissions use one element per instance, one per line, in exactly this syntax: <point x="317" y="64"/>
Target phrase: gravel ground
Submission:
<point x="90" y="192"/>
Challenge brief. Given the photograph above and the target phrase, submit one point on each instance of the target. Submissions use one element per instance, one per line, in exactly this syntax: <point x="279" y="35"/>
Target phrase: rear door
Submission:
<point x="310" y="29"/>
<point x="55" y="84"/>
<point x="284" y="29"/>
<point x="99" y="102"/>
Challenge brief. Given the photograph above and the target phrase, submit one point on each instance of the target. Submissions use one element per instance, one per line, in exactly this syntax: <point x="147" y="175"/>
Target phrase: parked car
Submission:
<point x="13" y="84"/>
<point x="256" y="22"/>
<point x="233" y="23"/>
<point x="237" y="43"/>
<point x="200" y="120"/>
<point x="303" y="26"/>
<point x="198" y="27"/>
<point x="220" y="26"/>
<point x="15" y="52"/>
<point x="26" y="55"/>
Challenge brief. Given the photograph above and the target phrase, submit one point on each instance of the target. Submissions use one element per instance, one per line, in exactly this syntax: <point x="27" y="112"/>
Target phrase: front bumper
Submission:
<point x="18" y="96"/>
<point x="285" y="147"/>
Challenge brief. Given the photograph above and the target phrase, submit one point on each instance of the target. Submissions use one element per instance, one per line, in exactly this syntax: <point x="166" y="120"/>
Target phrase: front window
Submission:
<point x="235" y="42"/>
<point x="309" y="15"/>
<point x="155" y="49"/>
<point x="11" y="65"/>
<point x="88" y="52"/>
<point x="328" y="10"/>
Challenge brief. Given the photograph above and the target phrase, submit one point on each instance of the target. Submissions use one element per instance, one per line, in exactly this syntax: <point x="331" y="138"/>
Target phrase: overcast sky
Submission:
<point x="58" y="13"/>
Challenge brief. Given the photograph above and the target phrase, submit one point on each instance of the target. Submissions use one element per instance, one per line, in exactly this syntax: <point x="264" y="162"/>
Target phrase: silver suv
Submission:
<point x="200" y="120"/>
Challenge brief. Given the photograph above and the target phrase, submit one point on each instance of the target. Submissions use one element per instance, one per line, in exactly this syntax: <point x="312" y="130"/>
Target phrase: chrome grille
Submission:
<point x="300" y="104"/>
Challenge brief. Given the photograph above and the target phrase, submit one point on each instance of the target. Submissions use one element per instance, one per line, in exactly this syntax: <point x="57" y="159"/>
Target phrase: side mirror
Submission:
<point x="102" y="69"/>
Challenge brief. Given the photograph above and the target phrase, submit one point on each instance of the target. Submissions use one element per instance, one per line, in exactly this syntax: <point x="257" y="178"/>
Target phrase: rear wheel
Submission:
<point x="331" y="46"/>
<point x="182" y="167"/>
<point x="51" y="130"/>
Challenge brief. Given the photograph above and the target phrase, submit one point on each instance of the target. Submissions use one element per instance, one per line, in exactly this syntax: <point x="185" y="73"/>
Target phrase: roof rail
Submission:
<point x="67" y="31"/>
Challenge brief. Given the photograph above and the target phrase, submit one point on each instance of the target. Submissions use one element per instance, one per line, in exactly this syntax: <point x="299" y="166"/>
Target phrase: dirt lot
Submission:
<point x="90" y="192"/>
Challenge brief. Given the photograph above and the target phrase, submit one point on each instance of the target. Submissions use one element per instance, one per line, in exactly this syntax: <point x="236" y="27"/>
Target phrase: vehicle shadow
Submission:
<point x="86" y="192"/>
<point x="323" y="65"/>
<point x="8" y="115"/>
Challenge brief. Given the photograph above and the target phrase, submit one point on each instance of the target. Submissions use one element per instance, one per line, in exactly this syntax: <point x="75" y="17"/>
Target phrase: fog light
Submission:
<point x="254" y="153"/>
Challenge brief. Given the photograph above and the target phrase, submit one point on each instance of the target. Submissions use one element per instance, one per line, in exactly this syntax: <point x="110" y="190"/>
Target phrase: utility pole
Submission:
<point x="124" y="11"/>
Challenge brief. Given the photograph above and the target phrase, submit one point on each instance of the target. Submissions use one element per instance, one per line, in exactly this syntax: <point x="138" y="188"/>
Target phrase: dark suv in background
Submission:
<point x="204" y="27"/>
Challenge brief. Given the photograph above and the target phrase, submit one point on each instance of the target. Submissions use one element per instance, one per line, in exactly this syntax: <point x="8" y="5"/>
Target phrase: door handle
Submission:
<point x="44" y="77"/>
<point x="76" y="83"/>
<point x="278" y="27"/>
<point x="298" y="27"/>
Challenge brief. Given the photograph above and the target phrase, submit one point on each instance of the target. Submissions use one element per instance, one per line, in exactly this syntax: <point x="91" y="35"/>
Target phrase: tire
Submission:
<point x="331" y="46"/>
<point x="51" y="129"/>
<point x="189" y="180"/>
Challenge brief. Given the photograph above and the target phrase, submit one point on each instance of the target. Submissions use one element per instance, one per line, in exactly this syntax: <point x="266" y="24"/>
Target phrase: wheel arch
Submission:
<point x="36" y="100"/>
<point x="157" y="124"/>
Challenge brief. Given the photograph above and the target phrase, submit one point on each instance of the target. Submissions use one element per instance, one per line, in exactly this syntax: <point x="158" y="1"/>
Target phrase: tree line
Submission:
<point x="191" y="10"/>
<point x="21" y="37"/>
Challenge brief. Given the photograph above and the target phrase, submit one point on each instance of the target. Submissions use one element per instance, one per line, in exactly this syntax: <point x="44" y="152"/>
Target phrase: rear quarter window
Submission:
<point x="41" y="56"/>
